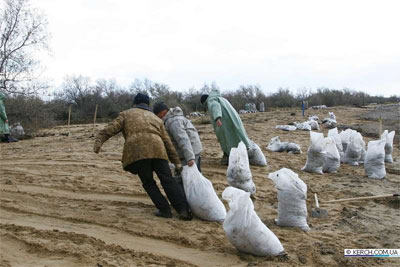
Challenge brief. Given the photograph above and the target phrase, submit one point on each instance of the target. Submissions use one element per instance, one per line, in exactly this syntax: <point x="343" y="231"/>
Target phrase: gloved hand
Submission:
<point x="97" y="145"/>
<point x="178" y="168"/>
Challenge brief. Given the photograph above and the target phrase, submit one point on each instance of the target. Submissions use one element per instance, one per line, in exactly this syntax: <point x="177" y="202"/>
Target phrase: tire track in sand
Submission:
<point x="123" y="239"/>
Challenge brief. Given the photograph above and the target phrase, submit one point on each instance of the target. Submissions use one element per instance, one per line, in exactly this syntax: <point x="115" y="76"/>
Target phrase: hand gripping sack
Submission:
<point x="292" y="194"/>
<point x="238" y="173"/>
<point x="389" y="145"/>
<point x="201" y="196"/>
<point x="256" y="157"/>
<point x="332" y="163"/>
<point x="316" y="153"/>
<point x="244" y="229"/>
<point x="374" y="163"/>
<point x="354" y="149"/>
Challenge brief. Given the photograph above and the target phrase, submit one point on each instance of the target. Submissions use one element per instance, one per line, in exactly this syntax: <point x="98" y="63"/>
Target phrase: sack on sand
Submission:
<point x="389" y="145"/>
<point x="374" y="163"/>
<point x="345" y="137"/>
<point x="201" y="195"/>
<point x="286" y="127"/>
<point x="316" y="153"/>
<point x="292" y="194"/>
<point x="313" y="118"/>
<point x="276" y="145"/>
<point x="354" y="149"/>
<point x="256" y="157"/>
<point x="244" y="228"/>
<point x="305" y="126"/>
<point x="238" y="173"/>
<point x="313" y="124"/>
<point x="335" y="135"/>
<point x="332" y="163"/>
<point x="332" y="116"/>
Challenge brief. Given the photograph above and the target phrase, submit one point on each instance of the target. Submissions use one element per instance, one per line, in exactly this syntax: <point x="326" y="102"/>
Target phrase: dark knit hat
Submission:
<point x="159" y="106"/>
<point x="141" y="98"/>
<point x="203" y="99"/>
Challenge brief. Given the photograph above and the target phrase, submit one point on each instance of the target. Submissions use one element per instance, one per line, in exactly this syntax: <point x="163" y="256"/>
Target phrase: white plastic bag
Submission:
<point x="292" y="194"/>
<point x="389" y="145"/>
<point x="313" y="117"/>
<point x="374" y="163"/>
<point x="332" y="163"/>
<point x="286" y="127"/>
<point x="354" y="149"/>
<point x="244" y="228"/>
<point x="335" y="135"/>
<point x="332" y="116"/>
<point x="276" y="145"/>
<point x="363" y="152"/>
<point x="256" y="157"/>
<point x="238" y="173"/>
<point x="345" y="137"/>
<point x="316" y="153"/>
<point x="201" y="196"/>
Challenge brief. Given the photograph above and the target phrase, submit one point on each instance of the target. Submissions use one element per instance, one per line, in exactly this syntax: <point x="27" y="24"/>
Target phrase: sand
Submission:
<point x="63" y="205"/>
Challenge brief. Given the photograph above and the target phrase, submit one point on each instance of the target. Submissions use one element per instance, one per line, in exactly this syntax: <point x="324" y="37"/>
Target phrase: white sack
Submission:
<point x="345" y="137"/>
<point x="313" y="124"/>
<point x="353" y="149"/>
<point x="292" y="194"/>
<point x="335" y="135"/>
<point x="389" y="145"/>
<point x="276" y="145"/>
<point x="201" y="195"/>
<point x="256" y="157"/>
<point x="332" y="116"/>
<point x="316" y="153"/>
<point x="244" y="228"/>
<point x="374" y="163"/>
<point x="238" y="173"/>
<point x="303" y="126"/>
<point x="332" y="163"/>
<point x="313" y="117"/>
<point x="286" y="127"/>
<point x="363" y="152"/>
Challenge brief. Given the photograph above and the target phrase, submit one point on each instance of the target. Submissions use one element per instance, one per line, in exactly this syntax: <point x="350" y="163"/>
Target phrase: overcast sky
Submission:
<point x="183" y="43"/>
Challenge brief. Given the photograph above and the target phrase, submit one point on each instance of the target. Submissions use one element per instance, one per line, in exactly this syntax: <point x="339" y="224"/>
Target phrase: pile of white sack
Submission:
<point x="316" y="153"/>
<point x="374" y="163"/>
<point x="286" y="127"/>
<point x="256" y="157"/>
<point x="238" y="173"/>
<point x="319" y="107"/>
<point x="244" y="229"/>
<point x="389" y="145"/>
<point x="276" y="145"/>
<point x="201" y="195"/>
<point x="292" y="194"/>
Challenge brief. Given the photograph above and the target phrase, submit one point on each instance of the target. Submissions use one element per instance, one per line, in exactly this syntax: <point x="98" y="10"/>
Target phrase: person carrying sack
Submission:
<point x="147" y="148"/>
<point x="183" y="134"/>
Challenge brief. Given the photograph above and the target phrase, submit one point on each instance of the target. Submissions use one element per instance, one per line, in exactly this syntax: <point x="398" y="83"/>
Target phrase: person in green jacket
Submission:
<point x="4" y="128"/>
<point x="227" y="124"/>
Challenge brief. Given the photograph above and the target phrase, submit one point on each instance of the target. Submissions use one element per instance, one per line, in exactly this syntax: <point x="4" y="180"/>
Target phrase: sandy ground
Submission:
<point x="63" y="205"/>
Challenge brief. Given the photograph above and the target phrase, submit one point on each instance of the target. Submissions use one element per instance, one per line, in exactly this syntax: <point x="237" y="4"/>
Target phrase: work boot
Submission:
<point x="185" y="215"/>
<point x="163" y="214"/>
<point x="225" y="160"/>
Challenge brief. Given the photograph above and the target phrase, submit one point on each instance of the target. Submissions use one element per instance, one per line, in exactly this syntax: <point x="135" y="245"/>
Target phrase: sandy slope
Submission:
<point x="63" y="205"/>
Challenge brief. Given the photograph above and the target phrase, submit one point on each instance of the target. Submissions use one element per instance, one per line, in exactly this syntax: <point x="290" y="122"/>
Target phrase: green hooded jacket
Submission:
<point x="232" y="131"/>
<point x="4" y="128"/>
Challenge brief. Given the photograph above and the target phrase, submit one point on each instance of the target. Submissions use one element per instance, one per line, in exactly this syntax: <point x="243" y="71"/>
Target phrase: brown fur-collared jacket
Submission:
<point x="145" y="136"/>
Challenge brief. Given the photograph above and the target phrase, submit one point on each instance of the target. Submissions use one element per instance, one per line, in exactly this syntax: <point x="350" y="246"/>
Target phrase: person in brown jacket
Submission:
<point x="147" y="148"/>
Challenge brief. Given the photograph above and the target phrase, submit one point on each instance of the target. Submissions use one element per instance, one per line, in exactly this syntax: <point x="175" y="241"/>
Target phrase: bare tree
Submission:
<point x="23" y="31"/>
<point x="77" y="89"/>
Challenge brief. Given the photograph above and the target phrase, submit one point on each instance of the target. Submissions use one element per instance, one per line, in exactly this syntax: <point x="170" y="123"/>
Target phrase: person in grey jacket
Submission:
<point x="183" y="134"/>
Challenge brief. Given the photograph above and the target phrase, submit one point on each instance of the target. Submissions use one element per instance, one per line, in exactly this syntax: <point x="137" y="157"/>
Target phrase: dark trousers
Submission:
<point x="144" y="168"/>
